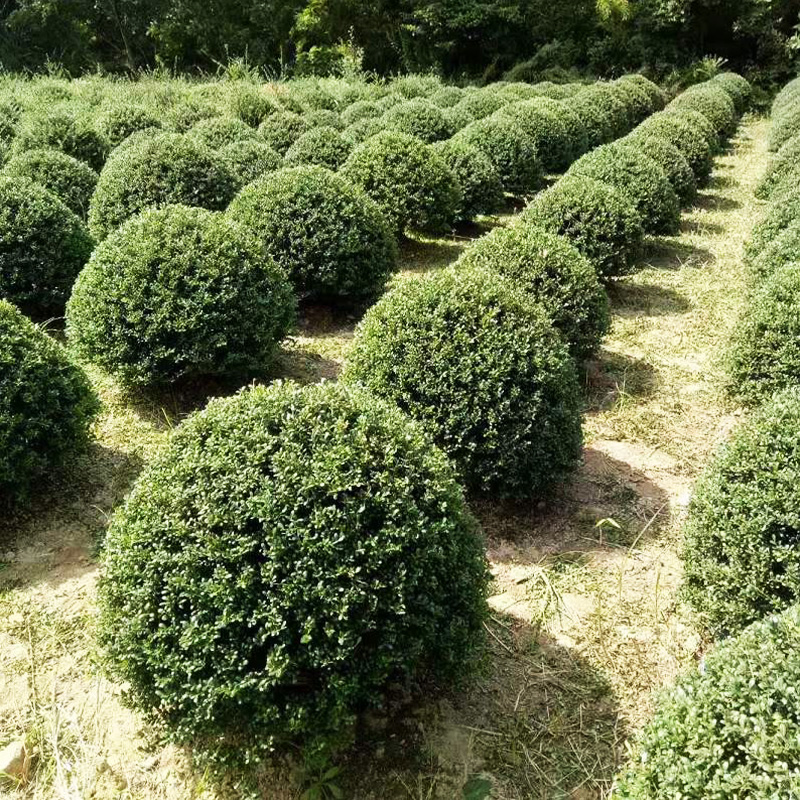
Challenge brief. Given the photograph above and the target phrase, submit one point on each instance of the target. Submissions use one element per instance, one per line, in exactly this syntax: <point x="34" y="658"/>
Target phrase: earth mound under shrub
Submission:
<point x="478" y="362"/>
<point x="43" y="245"/>
<point x="179" y="293"/>
<point x="153" y="170"/>
<point x="555" y="274"/>
<point x="730" y="729"/>
<point x="599" y="220"/>
<point x="290" y="553"/>
<point x="327" y="234"/>
<point x="46" y="406"/>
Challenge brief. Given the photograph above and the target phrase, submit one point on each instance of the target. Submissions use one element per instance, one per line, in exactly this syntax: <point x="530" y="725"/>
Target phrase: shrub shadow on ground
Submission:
<point x="673" y="254"/>
<point x="651" y="300"/>
<point x="612" y="376"/>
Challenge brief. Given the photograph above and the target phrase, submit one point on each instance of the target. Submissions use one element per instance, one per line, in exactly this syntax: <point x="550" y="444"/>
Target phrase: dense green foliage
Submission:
<point x="217" y="132"/>
<point x="249" y="159"/>
<point x="729" y="729"/>
<point x="157" y="170"/>
<point x="741" y="546"/>
<point x="420" y="118"/>
<point x="548" y="131"/>
<point x="712" y="102"/>
<point x="477" y="361"/>
<point x="282" y="129"/>
<point x="780" y="215"/>
<point x="412" y="185"/>
<point x="600" y="221"/>
<point x="46" y="405"/>
<point x="782" y="250"/>
<point x="290" y="553"/>
<point x="43" y="245"/>
<point x="179" y="293"/>
<point x="72" y="181"/>
<point x="692" y="144"/>
<point x="327" y="234"/>
<point x="323" y="146"/>
<point x="117" y="122"/>
<point x="764" y="351"/>
<point x="671" y="161"/>
<point x="783" y="166"/>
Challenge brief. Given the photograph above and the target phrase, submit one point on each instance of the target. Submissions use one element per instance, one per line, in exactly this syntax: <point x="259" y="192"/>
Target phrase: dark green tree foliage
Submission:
<point x="43" y="245"/>
<point x="679" y="132"/>
<point x="72" y="181"/>
<point x="510" y="149"/>
<point x="730" y="729"/>
<point x="478" y="362"/>
<point x="671" y="161"/>
<point x="412" y="185"/>
<point x="420" y="118"/>
<point x="324" y="147"/>
<point x="554" y="273"/>
<point x="742" y="560"/>
<point x="46" y="406"/>
<point x="600" y="221"/>
<point x="327" y="234"/>
<point x="158" y="170"/>
<point x="764" y="352"/>
<point x="250" y="159"/>
<point x="180" y="293"/>
<point x="633" y="173"/>
<point x="289" y="554"/>
<point x="481" y="187"/>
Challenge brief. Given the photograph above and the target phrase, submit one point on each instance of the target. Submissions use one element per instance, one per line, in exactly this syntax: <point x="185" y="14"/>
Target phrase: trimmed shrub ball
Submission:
<point x="595" y="119"/>
<point x="509" y="148"/>
<point x="361" y="109"/>
<point x="547" y="130"/>
<point x="329" y="237"/>
<point x="634" y="174"/>
<point x="742" y="543"/>
<point x="700" y="122"/>
<point x="654" y="92"/>
<point x="179" y="293"/>
<point x="780" y="215"/>
<point x="671" y="161"/>
<point x="362" y="130"/>
<point x="447" y="96"/>
<point x="323" y="146"/>
<point x="712" y="102"/>
<point x="621" y="117"/>
<point x="727" y="730"/>
<point x="66" y="128"/>
<point x="290" y="553"/>
<point x="322" y="118"/>
<point x="120" y="120"/>
<point x="250" y="105"/>
<point x="785" y="126"/>
<point x="158" y="170"/>
<point x="72" y="181"/>
<point x="478" y="362"/>
<point x="635" y="98"/>
<point x="552" y="272"/>
<point x="600" y="221"/>
<point x="420" y="118"/>
<point x="282" y="129"/>
<point x="764" y="352"/>
<point x="782" y="250"/>
<point x="43" y="245"/>
<point x="785" y="164"/>
<point x="46" y="406"/>
<point x="218" y="132"/>
<point x="481" y="187"/>
<point x="189" y="111"/>
<point x="692" y="143"/>
<point x="412" y="185"/>
<point x="457" y="118"/>
<point x="737" y="87"/>
<point x="250" y="159"/>
<point x="481" y="104"/>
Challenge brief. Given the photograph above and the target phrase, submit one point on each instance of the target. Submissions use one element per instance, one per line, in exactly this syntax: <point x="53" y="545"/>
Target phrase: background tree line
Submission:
<point x="454" y="37"/>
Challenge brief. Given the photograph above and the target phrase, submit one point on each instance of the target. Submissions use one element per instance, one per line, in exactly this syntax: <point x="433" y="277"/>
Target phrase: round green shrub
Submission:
<point x="785" y="126"/>
<point x="781" y="215"/>
<point x="654" y="92"/>
<point x="46" y="406"/>
<point x="65" y="128"/>
<point x="600" y="221"/>
<point x="217" y="132"/>
<point x="325" y="147"/>
<point x="480" y="104"/>
<point x="290" y="553"/>
<point x="557" y="91"/>
<point x="764" y="352"/>
<point x="636" y="99"/>
<point x="158" y="170"/>
<point x="595" y="119"/>
<point x="329" y="237"/>
<point x="119" y="121"/>
<point x="411" y="86"/>
<point x="670" y="160"/>
<point x="282" y="129"/>
<point x="782" y="250"/>
<point x="514" y="92"/>
<point x="742" y="557"/>
<point x="555" y="274"/>
<point x="43" y="245"/>
<point x="447" y="96"/>
<point x="784" y="164"/>
<point x="509" y="148"/>
<point x="690" y="142"/>
<point x="179" y="293"/>
<point x="620" y="115"/>
<point x="700" y="122"/>
<point x="737" y="87"/>
<point x="250" y="159"/>
<point x="547" y="131"/>
<point x="457" y="117"/>
<point x="362" y="130"/>
<point x="634" y="174"/>
<point x="189" y="111"/>
<point x="712" y="102"/>
<point x="361" y="109"/>
<point x="419" y="118"/>
<point x="729" y="729"/>
<point x="72" y="181"/>
<point x="481" y="187"/>
<point x="250" y="105"/>
<point x="322" y="118"/>
<point x="412" y="185"/>
<point x="480" y="365"/>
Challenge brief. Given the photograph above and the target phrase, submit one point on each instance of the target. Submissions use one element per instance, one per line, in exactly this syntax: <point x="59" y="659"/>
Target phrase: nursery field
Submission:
<point x="548" y="280"/>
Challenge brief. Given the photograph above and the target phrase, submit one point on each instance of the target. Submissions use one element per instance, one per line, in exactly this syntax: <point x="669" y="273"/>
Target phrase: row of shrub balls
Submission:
<point x="732" y="729"/>
<point x="292" y="550"/>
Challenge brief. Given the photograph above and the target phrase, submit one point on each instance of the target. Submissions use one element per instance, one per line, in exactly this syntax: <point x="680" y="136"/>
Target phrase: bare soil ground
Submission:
<point x="585" y="617"/>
